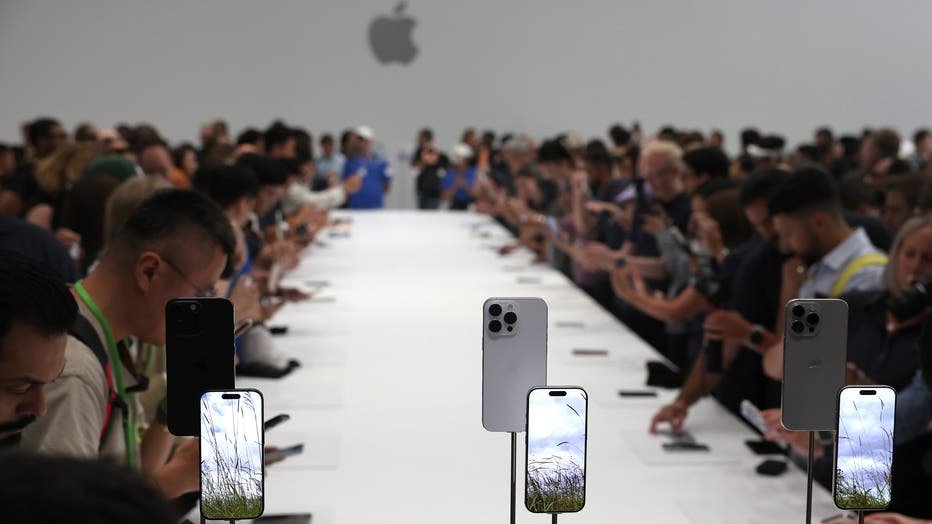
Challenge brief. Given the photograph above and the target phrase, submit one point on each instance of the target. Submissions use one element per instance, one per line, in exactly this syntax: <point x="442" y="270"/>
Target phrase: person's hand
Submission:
<point x="727" y="325"/>
<point x="293" y="294"/>
<point x="773" y="360"/>
<point x="182" y="472"/>
<point x="710" y="234"/>
<point x="269" y="308"/>
<point x="798" y="440"/>
<point x="892" y="518"/>
<point x="270" y="449"/>
<point x="67" y="236"/>
<point x="794" y="273"/>
<point x="599" y="256"/>
<point x="245" y="299"/>
<point x="673" y="414"/>
<point x="352" y="184"/>
<point x="507" y="249"/>
<point x="854" y="375"/>
<point x="597" y="207"/>
<point x="628" y="283"/>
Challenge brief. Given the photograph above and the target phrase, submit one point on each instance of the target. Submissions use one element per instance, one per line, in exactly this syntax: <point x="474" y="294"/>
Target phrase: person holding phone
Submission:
<point x="375" y="171"/>
<point x="176" y="243"/>
<point x="460" y="178"/>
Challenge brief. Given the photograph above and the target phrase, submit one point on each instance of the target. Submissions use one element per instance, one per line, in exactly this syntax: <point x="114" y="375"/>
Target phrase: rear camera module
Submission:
<point x="798" y="310"/>
<point x="495" y="326"/>
<point x="511" y="317"/>
<point x="495" y="310"/>
<point x="797" y="327"/>
<point x="812" y="319"/>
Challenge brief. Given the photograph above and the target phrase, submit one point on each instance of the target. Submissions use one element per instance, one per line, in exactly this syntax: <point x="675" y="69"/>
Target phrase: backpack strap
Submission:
<point x="859" y="263"/>
<point x="87" y="335"/>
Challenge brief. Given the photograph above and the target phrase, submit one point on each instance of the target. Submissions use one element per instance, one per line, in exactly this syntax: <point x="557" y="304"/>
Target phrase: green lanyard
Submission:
<point x="117" y="371"/>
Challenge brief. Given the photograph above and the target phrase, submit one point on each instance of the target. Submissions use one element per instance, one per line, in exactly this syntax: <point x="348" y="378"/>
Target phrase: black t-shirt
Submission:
<point x="39" y="244"/>
<point x="888" y="359"/>
<point x="429" y="181"/>
<point x="756" y="297"/>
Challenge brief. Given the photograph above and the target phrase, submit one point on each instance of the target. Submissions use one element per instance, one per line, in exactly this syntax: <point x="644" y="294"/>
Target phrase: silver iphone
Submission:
<point x="514" y="359"/>
<point x="814" y="355"/>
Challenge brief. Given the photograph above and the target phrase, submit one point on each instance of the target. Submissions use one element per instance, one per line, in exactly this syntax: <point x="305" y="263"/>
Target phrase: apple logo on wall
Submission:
<point x="390" y="37"/>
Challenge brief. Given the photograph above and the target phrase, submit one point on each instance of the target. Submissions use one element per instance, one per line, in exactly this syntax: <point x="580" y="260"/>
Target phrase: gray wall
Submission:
<point x="539" y="67"/>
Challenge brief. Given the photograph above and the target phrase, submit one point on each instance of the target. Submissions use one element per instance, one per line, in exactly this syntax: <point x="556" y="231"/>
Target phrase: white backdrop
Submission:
<point x="539" y="67"/>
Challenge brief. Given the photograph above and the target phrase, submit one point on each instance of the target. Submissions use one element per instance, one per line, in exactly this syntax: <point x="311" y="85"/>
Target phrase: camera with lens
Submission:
<point x="804" y="320"/>
<point x="911" y="302"/>
<point x="503" y="318"/>
<point x="186" y="316"/>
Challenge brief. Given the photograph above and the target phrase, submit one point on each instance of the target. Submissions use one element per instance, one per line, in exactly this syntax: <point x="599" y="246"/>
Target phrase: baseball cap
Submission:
<point x="460" y="152"/>
<point x="364" y="132"/>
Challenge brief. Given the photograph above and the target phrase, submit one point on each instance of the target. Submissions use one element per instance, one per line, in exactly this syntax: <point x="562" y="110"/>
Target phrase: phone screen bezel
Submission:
<point x="200" y="476"/>
<point x="527" y="444"/>
<point x="835" y="459"/>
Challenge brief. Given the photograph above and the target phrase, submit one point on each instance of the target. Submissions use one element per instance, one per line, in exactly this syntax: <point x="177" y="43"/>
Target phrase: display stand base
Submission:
<point x="860" y="517"/>
<point x="809" y="478"/>
<point x="514" y="474"/>
<point x="554" y="519"/>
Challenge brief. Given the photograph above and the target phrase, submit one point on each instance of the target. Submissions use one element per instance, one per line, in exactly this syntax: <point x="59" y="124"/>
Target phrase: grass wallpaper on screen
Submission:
<point x="231" y="456"/>
<point x="556" y="452"/>
<point x="865" y="449"/>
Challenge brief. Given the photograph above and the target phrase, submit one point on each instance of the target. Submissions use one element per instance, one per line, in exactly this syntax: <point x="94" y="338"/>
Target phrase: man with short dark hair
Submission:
<point x="703" y="164"/>
<point x="879" y="156"/>
<point x="36" y="312"/>
<point x="177" y="243"/>
<point x="46" y="135"/>
<point x="280" y="141"/>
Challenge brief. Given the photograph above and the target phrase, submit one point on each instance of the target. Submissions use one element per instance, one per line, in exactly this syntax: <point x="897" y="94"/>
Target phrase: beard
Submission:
<point x="11" y="432"/>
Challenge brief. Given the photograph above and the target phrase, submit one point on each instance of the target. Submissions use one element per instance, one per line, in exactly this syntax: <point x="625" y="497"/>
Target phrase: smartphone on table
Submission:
<point x="276" y="420"/>
<point x="555" y="473"/>
<point x="283" y="453"/>
<point x="814" y="355"/>
<point x="864" y="447"/>
<point x="514" y="359"/>
<point x="231" y="454"/>
<point x="198" y="357"/>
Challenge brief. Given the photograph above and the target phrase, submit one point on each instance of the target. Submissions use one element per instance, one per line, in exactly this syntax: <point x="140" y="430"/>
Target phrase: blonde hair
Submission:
<point x="908" y="228"/>
<point x="62" y="168"/>
<point x="668" y="150"/>
<point x="124" y="200"/>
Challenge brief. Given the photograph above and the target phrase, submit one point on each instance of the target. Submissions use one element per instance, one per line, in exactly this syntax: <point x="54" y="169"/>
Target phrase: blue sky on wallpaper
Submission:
<point x="232" y="431"/>
<point x="865" y="433"/>
<point x="552" y="422"/>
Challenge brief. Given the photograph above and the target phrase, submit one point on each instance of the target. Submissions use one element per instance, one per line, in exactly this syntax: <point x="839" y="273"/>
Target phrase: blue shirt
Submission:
<point x="824" y="273"/>
<point x="461" y="195"/>
<point x="375" y="174"/>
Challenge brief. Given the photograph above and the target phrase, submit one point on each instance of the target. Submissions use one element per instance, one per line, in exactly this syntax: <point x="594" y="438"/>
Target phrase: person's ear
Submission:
<point x="147" y="264"/>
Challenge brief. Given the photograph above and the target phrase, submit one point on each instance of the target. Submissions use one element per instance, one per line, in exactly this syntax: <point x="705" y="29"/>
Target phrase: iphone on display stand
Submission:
<point x="232" y="455"/>
<point x="864" y="448"/>
<point x="814" y="355"/>
<point x="514" y="360"/>
<point x="199" y="356"/>
<point x="555" y="473"/>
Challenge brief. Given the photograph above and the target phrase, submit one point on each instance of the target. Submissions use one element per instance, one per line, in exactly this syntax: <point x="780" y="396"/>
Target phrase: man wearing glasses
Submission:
<point x="177" y="243"/>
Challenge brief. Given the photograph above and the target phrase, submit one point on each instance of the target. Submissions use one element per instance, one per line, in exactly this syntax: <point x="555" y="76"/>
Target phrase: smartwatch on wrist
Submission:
<point x="756" y="338"/>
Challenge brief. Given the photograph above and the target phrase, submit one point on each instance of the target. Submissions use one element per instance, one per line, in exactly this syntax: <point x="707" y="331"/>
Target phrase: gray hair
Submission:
<point x="889" y="272"/>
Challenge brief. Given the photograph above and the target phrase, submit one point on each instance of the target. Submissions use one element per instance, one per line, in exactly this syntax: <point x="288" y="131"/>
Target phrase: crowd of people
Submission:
<point x="694" y="250"/>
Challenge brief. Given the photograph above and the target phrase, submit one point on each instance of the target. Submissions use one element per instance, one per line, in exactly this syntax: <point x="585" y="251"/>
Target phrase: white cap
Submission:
<point x="460" y="152"/>
<point x="364" y="132"/>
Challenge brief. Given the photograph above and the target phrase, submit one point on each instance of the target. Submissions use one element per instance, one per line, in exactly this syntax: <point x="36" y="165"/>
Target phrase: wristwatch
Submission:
<point x="756" y="338"/>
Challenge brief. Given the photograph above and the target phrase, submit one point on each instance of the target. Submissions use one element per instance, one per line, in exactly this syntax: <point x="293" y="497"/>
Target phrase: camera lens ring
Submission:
<point x="511" y="317"/>
<point x="495" y="310"/>
<point x="812" y="319"/>
<point x="798" y="310"/>
<point x="798" y="327"/>
<point x="495" y="326"/>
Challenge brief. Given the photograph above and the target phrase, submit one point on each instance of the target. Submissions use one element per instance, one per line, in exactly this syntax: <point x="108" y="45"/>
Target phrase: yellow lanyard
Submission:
<point x="117" y="371"/>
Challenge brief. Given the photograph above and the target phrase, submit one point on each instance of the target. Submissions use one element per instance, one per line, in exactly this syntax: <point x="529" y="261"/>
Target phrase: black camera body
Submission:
<point x="912" y="301"/>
